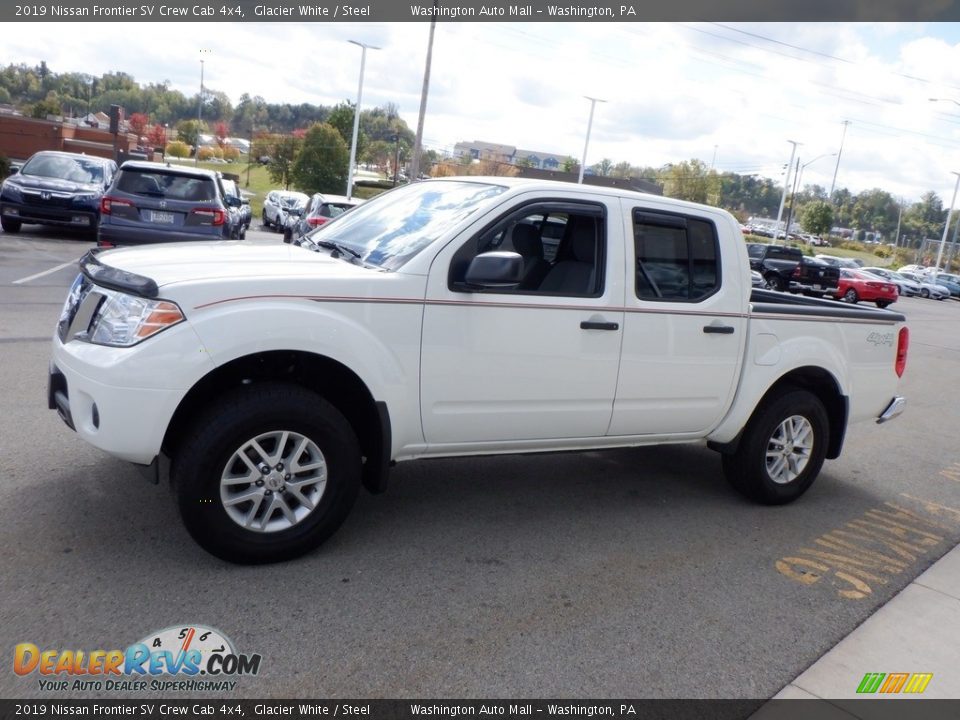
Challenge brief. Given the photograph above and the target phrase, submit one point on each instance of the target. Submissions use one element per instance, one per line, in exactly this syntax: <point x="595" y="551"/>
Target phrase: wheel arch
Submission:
<point x="338" y="384"/>
<point x="822" y="384"/>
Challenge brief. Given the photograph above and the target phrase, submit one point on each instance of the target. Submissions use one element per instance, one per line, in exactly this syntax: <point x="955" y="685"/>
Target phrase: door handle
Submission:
<point x="596" y="325"/>
<point x="718" y="329"/>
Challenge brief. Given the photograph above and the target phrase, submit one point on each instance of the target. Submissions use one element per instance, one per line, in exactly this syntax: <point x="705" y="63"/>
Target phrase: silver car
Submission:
<point x="276" y="204"/>
<point x="906" y="286"/>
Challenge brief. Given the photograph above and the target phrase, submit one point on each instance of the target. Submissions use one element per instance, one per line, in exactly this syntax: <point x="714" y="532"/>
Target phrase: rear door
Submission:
<point x="684" y="325"/>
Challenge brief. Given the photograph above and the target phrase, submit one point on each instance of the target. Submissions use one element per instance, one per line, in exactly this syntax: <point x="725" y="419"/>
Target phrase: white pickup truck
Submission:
<point x="462" y="316"/>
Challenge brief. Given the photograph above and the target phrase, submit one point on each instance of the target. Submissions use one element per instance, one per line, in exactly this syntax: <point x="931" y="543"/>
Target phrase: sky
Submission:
<point x="731" y="95"/>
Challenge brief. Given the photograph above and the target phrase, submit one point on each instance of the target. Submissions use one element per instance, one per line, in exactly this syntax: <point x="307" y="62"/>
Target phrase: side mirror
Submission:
<point x="499" y="269"/>
<point x="244" y="201"/>
<point x="233" y="201"/>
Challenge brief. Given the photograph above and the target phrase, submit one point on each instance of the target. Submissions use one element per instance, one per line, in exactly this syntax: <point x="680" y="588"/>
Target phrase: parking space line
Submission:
<point x="45" y="272"/>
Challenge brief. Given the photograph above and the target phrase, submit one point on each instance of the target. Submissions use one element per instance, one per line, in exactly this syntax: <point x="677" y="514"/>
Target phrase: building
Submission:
<point x="21" y="137"/>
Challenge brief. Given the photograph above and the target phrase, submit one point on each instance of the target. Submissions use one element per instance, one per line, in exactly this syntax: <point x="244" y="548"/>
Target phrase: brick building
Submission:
<point x="21" y="137"/>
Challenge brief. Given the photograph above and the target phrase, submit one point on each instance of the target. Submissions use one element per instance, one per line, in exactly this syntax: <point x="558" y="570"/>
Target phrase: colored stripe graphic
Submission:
<point x="895" y="681"/>
<point x="871" y="682"/>
<point x="918" y="682"/>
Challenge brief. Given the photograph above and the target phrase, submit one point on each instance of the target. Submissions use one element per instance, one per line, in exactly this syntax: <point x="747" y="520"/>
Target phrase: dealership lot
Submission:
<point x="629" y="573"/>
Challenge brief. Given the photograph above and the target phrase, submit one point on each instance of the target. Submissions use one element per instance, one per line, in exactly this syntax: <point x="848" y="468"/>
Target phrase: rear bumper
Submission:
<point x="896" y="406"/>
<point x="130" y="235"/>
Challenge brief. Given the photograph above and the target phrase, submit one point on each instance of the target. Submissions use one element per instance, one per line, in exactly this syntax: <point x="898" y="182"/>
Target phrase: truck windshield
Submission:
<point x="389" y="230"/>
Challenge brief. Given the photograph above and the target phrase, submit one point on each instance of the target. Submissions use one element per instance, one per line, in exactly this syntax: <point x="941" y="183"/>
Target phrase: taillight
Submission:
<point x="316" y="220"/>
<point x="107" y="203"/>
<point x="217" y="216"/>
<point x="903" y="343"/>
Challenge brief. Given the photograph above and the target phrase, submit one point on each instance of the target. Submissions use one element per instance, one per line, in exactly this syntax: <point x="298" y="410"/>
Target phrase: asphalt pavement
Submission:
<point x="628" y="573"/>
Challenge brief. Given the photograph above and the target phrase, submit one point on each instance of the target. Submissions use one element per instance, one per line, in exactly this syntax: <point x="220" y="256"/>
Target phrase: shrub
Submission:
<point x="178" y="149"/>
<point x="205" y="153"/>
<point x="230" y="153"/>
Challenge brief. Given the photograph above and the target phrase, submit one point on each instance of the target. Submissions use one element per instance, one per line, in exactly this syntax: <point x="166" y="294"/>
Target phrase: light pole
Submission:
<point x="946" y="228"/>
<point x="356" y="115"/>
<point x="955" y="102"/>
<point x="818" y="157"/>
<point x="418" y="140"/>
<point x="786" y="182"/>
<point x="586" y="144"/>
<point x="837" y="166"/>
<point x="196" y="152"/>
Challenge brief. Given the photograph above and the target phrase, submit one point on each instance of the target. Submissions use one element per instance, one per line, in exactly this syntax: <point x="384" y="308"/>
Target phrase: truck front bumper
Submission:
<point x="896" y="406"/>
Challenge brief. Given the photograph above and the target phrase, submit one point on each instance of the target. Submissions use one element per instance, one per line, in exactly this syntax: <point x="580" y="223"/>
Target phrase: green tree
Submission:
<point x="189" y="131"/>
<point x="817" y="217"/>
<point x="282" y="158"/>
<point x="691" y="180"/>
<point x="321" y="165"/>
<point x="570" y="165"/>
<point x="341" y="118"/>
<point x="603" y="168"/>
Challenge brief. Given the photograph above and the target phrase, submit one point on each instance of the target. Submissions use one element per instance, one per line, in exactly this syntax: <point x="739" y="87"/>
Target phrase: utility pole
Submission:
<point x="418" y="141"/>
<point x="586" y="144"/>
<point x="896" y="238"/>
<point x="786" y="182"/>
<point x="837" y="166"/>
<point x="196" y="152"/>
<point x="793" y="195"/>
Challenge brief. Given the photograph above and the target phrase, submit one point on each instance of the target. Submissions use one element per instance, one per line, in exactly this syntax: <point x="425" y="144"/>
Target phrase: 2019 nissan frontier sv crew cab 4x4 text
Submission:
<point x="462" y="316"/>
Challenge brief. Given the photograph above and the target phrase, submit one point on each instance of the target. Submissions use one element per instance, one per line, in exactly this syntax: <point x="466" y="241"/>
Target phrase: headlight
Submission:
<point x="123" y="320"/>
<point x="10" y="186"/>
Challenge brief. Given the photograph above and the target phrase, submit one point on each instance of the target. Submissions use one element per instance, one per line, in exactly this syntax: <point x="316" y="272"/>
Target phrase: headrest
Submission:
<point x="526" y="240"/>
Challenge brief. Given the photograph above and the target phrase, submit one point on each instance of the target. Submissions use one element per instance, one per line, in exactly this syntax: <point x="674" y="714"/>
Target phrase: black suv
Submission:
<point x="156" y="202"/>
<point x="56" y="188"/>
<point x="787" y="268"/>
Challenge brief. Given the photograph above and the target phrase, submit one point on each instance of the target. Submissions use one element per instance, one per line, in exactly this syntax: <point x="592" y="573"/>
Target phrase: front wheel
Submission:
<point x="924" y="293"/>
<point x="775" y="282"/>
<point x="882" y="304"/>
<point x="851" y="296"/>
<point x="267" y="474"/>
<point x="10" y="226"/>
<point x="782" y="448"/>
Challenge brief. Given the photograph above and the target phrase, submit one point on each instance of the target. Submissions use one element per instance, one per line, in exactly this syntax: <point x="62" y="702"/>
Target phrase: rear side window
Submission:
<point x="167" y="185"/>
<point x="676" y="256"/>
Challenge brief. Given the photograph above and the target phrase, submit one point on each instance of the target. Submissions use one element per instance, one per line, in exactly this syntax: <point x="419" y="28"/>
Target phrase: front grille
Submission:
<point x="53" y="200"/>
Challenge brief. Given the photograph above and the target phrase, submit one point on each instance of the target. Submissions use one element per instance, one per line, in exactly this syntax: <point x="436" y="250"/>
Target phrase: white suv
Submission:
<point x="277" y="203"/>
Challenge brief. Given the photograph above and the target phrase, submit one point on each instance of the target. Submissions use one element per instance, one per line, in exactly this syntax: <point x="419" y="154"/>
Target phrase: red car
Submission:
<point x="855" y="286"/>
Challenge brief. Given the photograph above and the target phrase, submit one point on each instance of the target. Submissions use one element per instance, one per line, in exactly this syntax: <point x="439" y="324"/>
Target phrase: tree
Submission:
<point x="691" y="180"/>
<point x="284" y="154"/>
<point x="221" y="130"/>
<point x="603" y="167"/>
<point x="817" y="217"/>
<point x="341" y="118"/>
<point x="321" y="165"/>
<point x="189" y="131"/>
<point x="157" y="136"/>
<point x="138" y="124"/>
<point x="570" y="165"/>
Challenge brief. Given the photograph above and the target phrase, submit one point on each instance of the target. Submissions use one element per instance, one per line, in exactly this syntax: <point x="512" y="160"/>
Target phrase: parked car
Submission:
<point x="840" y="262"/>
<point x="56" y="188"/>
<point x="905" y="286"/>
<point x="927" y="288"/>
<point x="155" y="202"/>
<point x="856" y="285"/>
<point x="787" y="268"/>
<point x="276" y="204"/>
<point x="240" y="210"/>
<point x="319" y="210"/>
<point x="756" y="280"/>
<point x="944" y="279"/>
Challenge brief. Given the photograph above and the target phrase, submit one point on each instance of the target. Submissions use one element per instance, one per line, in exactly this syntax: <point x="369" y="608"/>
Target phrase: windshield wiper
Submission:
<point x="339" y="248"/>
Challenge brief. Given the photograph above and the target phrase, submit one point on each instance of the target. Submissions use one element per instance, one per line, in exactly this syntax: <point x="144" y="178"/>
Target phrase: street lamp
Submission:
<point x="196" y="152"/>
<point x="944" y="100"/>
<point x="837" y="166"/>
<point x="946" y="228"/>
<point x="798" y="186"/>
<point x="356" y="115"/>
<point x="583" y="164"/>
<point x="818" y="157"/>
<point x="786" y="182"/>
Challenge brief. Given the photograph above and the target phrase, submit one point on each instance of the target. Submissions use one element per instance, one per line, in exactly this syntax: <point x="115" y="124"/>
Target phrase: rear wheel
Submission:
<point x="267" y="474"/>
<point x="882" y="304"/>
<point x="263" y="217"/>
<point x="9" y="225"/>
<point x="924" y="293"/>
<point x="782" y="448"/>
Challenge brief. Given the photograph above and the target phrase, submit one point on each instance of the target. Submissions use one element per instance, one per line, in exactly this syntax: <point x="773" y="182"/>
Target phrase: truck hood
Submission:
<point x="199" y="262"/>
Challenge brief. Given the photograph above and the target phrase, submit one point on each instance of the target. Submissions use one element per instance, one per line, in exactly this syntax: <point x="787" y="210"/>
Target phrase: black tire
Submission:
<point x="775" y="282"/>
<point x="212" y="448"/>
<point x="924" y="293"/>
<point x="882" y="304"/>
<point x="9" y="225"/>
<point x="263" y="218"/>
<point x="242" y="232"/>
<point x="748" y="469"/>
<point x="851" y="296"/>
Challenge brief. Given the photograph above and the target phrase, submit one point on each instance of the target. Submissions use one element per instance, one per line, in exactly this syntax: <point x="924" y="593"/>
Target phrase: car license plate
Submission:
<point x="816" y="286"/>
<point x="161" y="217"/>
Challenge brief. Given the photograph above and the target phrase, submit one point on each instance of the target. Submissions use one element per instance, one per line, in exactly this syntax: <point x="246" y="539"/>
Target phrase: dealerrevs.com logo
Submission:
<point x="180" y="658"/>
<point x="894" y="683"/>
